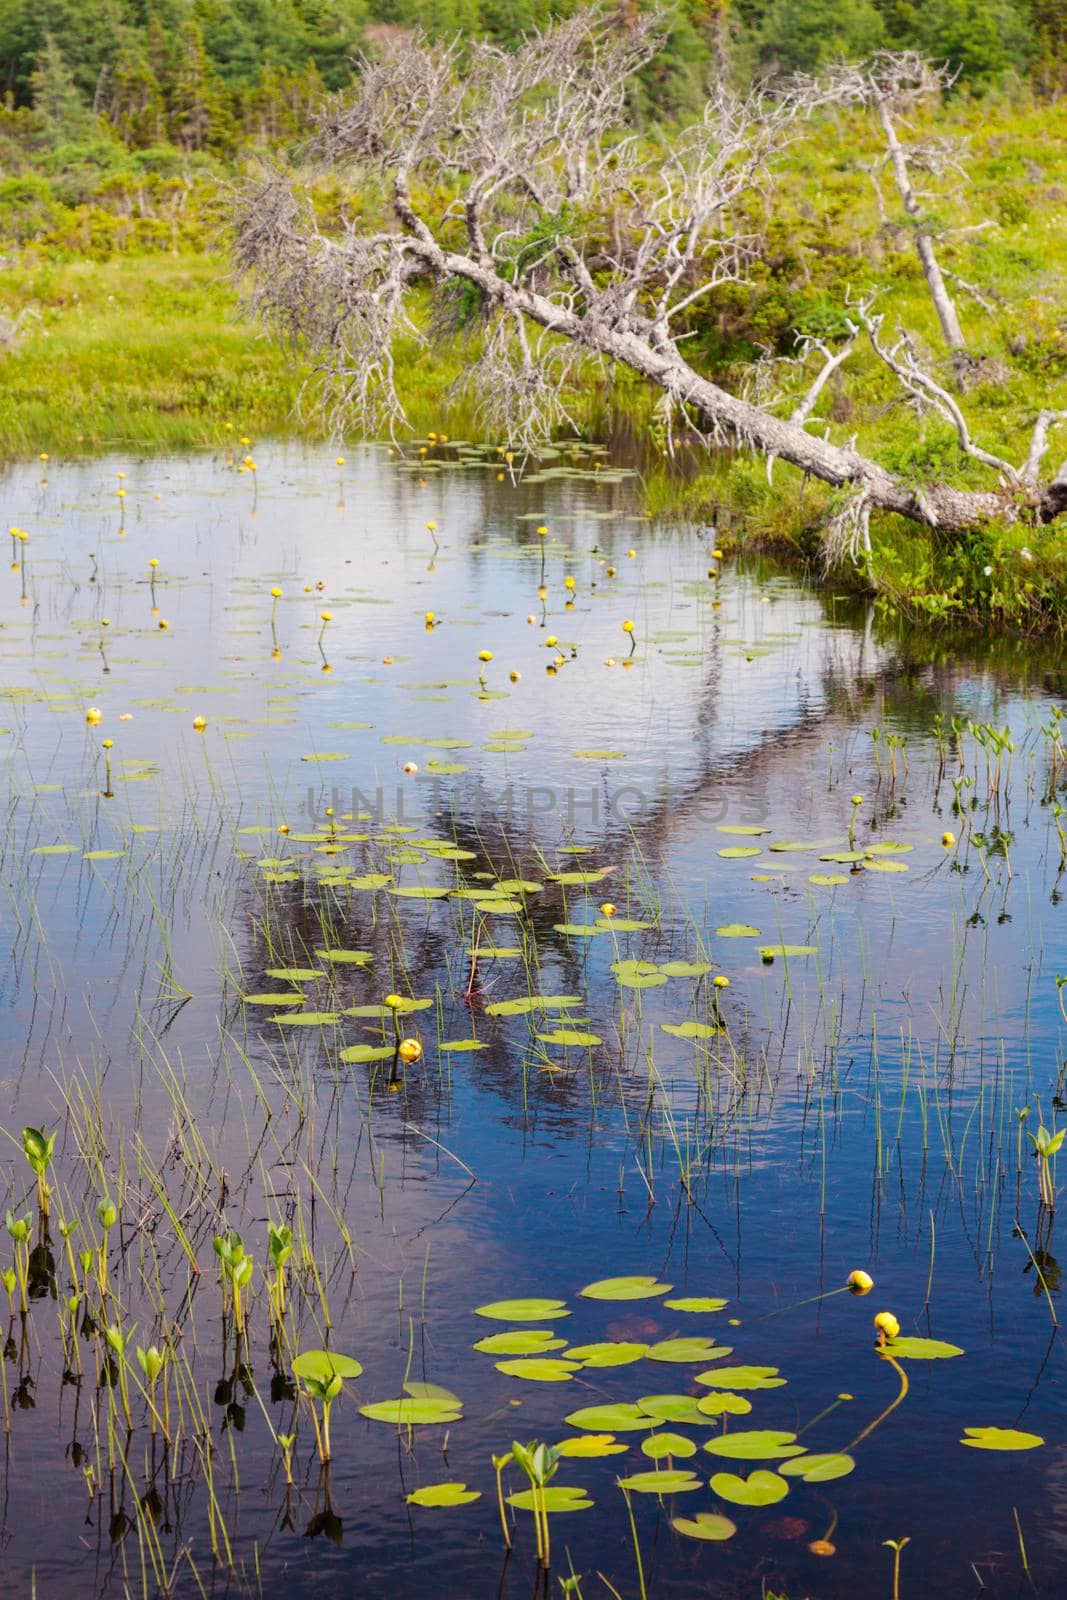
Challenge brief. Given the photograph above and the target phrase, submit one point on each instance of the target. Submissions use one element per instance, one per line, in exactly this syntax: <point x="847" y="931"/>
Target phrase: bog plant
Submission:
<point x="37" y="1147"/>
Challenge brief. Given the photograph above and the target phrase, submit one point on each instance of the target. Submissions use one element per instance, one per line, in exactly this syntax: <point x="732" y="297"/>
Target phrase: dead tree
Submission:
<point x="894" y="83"/>
<point x="511" y="184"/>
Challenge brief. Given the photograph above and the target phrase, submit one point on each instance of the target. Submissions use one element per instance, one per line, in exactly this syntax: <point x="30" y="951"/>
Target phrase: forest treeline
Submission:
<point x="214" y="75"/>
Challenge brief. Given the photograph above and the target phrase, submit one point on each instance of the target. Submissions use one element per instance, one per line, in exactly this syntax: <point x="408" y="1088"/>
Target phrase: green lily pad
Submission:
<point x="638" y="1287"/>
<point x="325" y="1364"/>
<point x="326" y="755"/>
<point x="520" y="1342"/>
<point x="308" y="1019"/>
<point x="557" y="1497"/>
<point x="889" y="848"/>
<point x="695" y="1303"/>
<point x="724" y="1404"/>
<point x="419" y="891"/>
<point x="687" y="1349"/>
<point x="659" y="1445"/>
<point x="619" y="1354"/>
<point x="619" y="1418"/>
<point x="570" y="1036"/>
<point x="760" y="1488"/>
<point x="922" y="1349"/>
<point x="666" y="1480"/>
<point x="685" y="969"/>
<point x="589" y="1446"/>
<point x="295" y="999"/>
<point x="355" y="958"/>
<point x="103" y="855"/>
<point x="461" y="1045"/>
<point x="827" y="880"/>
<point x="818" y="1469"/>
<point x="530" y="1310"/>
<point x="690" y="1030"/>
<point x="443" y="1494"/>
<point x="671" y="1408"/>
<point x="294" y="974"/>
<point x="537" y="1369"/>
<point x="755" y="1444"/>
<point x="739" y="827"/>
<point x="737" y="930"/>
<point x="367" y="1052"/>
<point x="412" y="1411"/>
<point x="735" y="852"/>
<point x="741" y="1378"/>
<point x="527" y="1003"/>
<point x="705" y="1525"/>
<point x="873" y="865"/>
<point x="1000" y="1439"/>
<point x="769" y="951"/>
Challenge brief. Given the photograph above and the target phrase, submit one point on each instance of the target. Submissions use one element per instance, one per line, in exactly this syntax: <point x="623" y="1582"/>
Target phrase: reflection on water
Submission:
<point x="864" y="1101"/>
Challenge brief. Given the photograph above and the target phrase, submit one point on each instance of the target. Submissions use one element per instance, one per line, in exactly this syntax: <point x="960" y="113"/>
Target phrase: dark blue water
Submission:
<point x="858" y="1108"/>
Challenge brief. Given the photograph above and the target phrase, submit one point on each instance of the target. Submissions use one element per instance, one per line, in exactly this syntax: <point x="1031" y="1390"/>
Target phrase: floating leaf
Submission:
<point x="872" y="865"/>
<point x="325" y="1364"/>
<point x="308" y="1019"/>
<point x="741" y="1378"/>
<point x="670" y="1408"/>
<point x="687" y="1349"/>
<point x="659" y="1445"/>
<point x="739" y="827"/>
<point x="458" y="1045"/>
<point x="724" y="1405"/>
<point x="619" y="1354"/>
<point x="635" y="1288"/>
<point x="826" y="880"/>
<point x="569" y="1036"/>
<point x="889" y="848"/>
<point x="103" y="855"/>
<point x="690" y="1030"/>
<point x="419" y="891"/>
<point x="293" y="999"/>
<point x="522" y="1310"/>
<point x="619" y="1418"/>
<point x="922" y="1349"/>
<point x="735" y="852"/>
<point x="526" y="1003"/>
<point x="294" y="974"/>
<point x="685" y="969"/>
<point x="557" y="1497"/>
<point x="355" y="958"/>
<point x="695" y="1303"/>
<point x="411" y="1412"/>
<point x="1000" y="1439"/>
<point x="591" y="1445"/>
<point x="540" y="1370"/>
<point x="818" y="1469"/>
<point x="664" y="1481"/>
<point x="444" y="1494"/>
<point x="755" y="1444"/>
<point x="705" y="1525"/>
<point x="367" y="1052"/>
<point x="520" y="1342"/>
<point x="769" y="951"/>
<point x="737" y="930"/>
<point x="326" y="755"/>
<point x="760" y="1488"/>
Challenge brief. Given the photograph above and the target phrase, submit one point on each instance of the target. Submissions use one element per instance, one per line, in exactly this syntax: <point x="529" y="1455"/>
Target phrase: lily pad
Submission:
<point x="659" y="1445"/>
<point x="412" y="1411"/>
<point x="818" y="1469"/>
<point x="520" y="1342"/>
<point x="724" y="1405"/>
<point x="705" y="1525"/>
<point x="634" y="1288"/>
<point x="591" y="1445"/>
<point x="367" y="1052"/>
<point x="737" y="930"/>
<point x="685" y="969"/>
<point x="295" y="999"/>
<point x="687" y="1349"/>
<point x="690" y="1030"/>
<point x="443" y="1494"/>
<point x="741" y="1378"/>
<point x="530" y="1310"/>
<point x="735" y="852"/>
<point x="769" y="951"/>
<point x="923" y="1349"/>
<point x="325" y="1364"/>
<point x="619" y="1418"/>
<point x="671" y="1408"/>
<point x="308" y="1019"/>
<point x="760" y="1488"/>
<point x="755" y="1444"/>
<point x="557" y="1497"/>
<point x="570" y="1036"/>
<point x="619" y="1354"/>
<point x="1001" y="1439"/>
<point x="538" y="1369"/>
<point x="666" y="1480"/>
<point x="695" y="1303"/>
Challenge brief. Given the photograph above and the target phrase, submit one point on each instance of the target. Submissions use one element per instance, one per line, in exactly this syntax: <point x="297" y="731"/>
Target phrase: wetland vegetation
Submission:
<point x="534" y="1020"/>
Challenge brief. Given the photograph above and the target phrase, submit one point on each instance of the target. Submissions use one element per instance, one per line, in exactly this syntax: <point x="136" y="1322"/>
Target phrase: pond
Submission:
<point x="722" y="950"/>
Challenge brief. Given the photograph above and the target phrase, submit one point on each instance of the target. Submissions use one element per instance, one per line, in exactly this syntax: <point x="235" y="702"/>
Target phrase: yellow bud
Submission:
<point x="94" y="714"/>
<point x="720" y="981"/>
<point x="409" y="1050"/>
<point x="857" y="799"/>
<point x="627" y="626"/>
<point x="394" y="1000"/>
<point x="410" y="767"/>
<point x="887" y="1325"/>
<point x="199" y="723"/>
<point x="327" y="616"/>
<point x="163" y="623"/>
<point x="568" y="583"/>
<point x="340" y="460"/>
<point x="716" y="555"/>
<point x="283" y="828"/>
<point x="860" y="1282"/>
<point x="153" y="561"/>
<point x="109" y="744"/>
<point x="607" y="909"/>
<point x="276" y="593"/>
<point x="514" y="675"/>
<point x="485" y="655"/>
<point x="948" y="840"/>
<point x="550" y="639"/>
